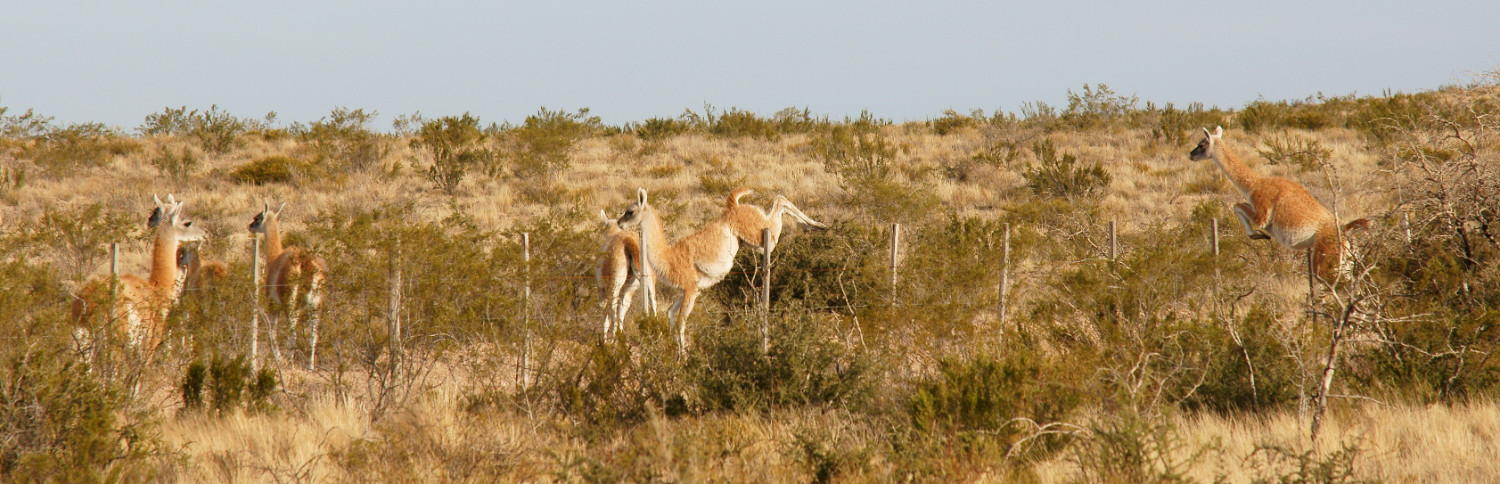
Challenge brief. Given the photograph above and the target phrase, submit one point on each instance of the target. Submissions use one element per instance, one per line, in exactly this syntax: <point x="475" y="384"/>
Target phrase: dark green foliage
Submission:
<point x="61" y="424"/>
<point x="455" y="146"/>
<point x="22" y="126"/>
<point x="1232" y="353"/>
<point x="1134" y="448"/>
<point x="216" y="131"/>
<point x="177" y="165"/>
<point x="1305" y="153"/>
<point x="991" y="403"/>
<point x="804" y="366"/>
<point x="855" y="151"/>
<point x="230" y="384"/>
<point x="1061" y="175"/>
<point x="737" y="123"/>
<point x="620" y="384"/>
<point x="824" y="457"/>
<point x="1096" y="107"/>
<point x="795" y="121"/>
<point x="1173" y="128"/>
<point x="270" y="169"/>
<point x="63" y="150"/>
<point x="1285" y="465"/>
<point x="952" y="122"/>
<point x="343" y="139"/>
<point x="656" y="129"/>
<point x="545" y="140"/>
<point x="78" y="237"/>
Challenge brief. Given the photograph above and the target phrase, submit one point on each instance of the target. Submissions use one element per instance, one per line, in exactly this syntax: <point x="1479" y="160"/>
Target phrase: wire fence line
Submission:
<point x="522" y="279"/>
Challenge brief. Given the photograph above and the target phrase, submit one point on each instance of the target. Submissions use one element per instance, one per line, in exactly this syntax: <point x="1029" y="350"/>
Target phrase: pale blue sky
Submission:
<point x="116" y="62"/>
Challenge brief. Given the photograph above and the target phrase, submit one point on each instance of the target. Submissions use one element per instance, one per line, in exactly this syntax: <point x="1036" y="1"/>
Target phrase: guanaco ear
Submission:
<point x="279" y="209"/>
<point x="1218" y="131"/>
<point x="267" y="207"/>
<point x="157" y="198"/>
<point x="1207" y="134"/>
<point x="640" y="196"/>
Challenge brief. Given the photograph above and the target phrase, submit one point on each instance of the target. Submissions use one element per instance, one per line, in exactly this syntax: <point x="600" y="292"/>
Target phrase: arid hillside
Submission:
<point x="1066" y="296"/>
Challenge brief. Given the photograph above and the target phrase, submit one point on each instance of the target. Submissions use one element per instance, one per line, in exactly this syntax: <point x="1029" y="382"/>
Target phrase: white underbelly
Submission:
<point x="1296" y="237"/>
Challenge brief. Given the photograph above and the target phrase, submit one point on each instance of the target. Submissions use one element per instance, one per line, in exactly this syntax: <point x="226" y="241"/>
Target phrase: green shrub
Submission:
<point x="216" y="131"/>
<point x="61" y="424"/>
<point x="343" y="139"/>
<point x="855" y="150"/>
<point x="952" y="122"/>
<point x="175" y="165"/>
<point x="1061" y="175"/>
<point x="78" y="238"/>
<point x="656" y="129"/>
<point x="737" y="123"/>
<point x="270" y="169"/>
<point x="1304" y="153"/>
<point x="546" y="139"/>
<point x="64" y="150"/>
<point x="455" y="145"/>
<point x="795" y="121"/>
<point x="804" y="366"/>
<point x="991" y="403"/>
<point x="230" y="384"/>
<point x="1096" y="107"/>
<point x="23" y="126"/>
<point x="1282" y="464"/>
<point x="1135" y="448"/>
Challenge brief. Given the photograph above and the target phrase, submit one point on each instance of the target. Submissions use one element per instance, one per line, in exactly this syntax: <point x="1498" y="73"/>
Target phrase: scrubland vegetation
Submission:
<point x="1165" y="363"/>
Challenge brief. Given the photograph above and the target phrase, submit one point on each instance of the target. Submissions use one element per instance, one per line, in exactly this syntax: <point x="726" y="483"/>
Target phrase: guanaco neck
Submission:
<point x="655" y="238"/>
<point x="273" y="238"/>
<point x="1242" y="176"/>
<point x="164" y="260"/>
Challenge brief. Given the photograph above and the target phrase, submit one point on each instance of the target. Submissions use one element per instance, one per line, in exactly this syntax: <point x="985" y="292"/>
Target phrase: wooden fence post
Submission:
<point x="395" y="300"/>
<point x="647" y="277"/>
<point x="895" y="257"/>
<point x="1114" y="245"/>
<point x="254" y="302"/>
<point x="765" y="291"/>
<point x="1004" y="277"/>
<point x="525" y="370"/>
<point x="114" y="271"/>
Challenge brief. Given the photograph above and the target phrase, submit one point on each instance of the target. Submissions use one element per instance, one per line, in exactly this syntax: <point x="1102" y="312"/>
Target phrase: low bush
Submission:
<point x="230" y="384"/>
<point x="455" y="144"/>
<point x="1305" y="153"/>
<point x="63" y="150"/>
<point x="1061" y="175"/>
<point x="270" y="169"/>
<point x="990" y="404"/>
<point x="177" y="165"/>
<point x="343" y="140"/>
<point x="544" y="142"/>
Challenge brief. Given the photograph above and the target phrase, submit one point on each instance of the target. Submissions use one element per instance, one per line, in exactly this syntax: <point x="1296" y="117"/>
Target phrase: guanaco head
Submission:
<point x="265" y="218"/>
<point x="636" y="211"/>
<point x="168" y="216"/>
<point x="1205" y="149"/>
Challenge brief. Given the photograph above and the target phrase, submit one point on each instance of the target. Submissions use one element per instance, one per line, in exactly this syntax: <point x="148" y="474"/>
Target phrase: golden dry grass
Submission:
<point x="432" y="438"/>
